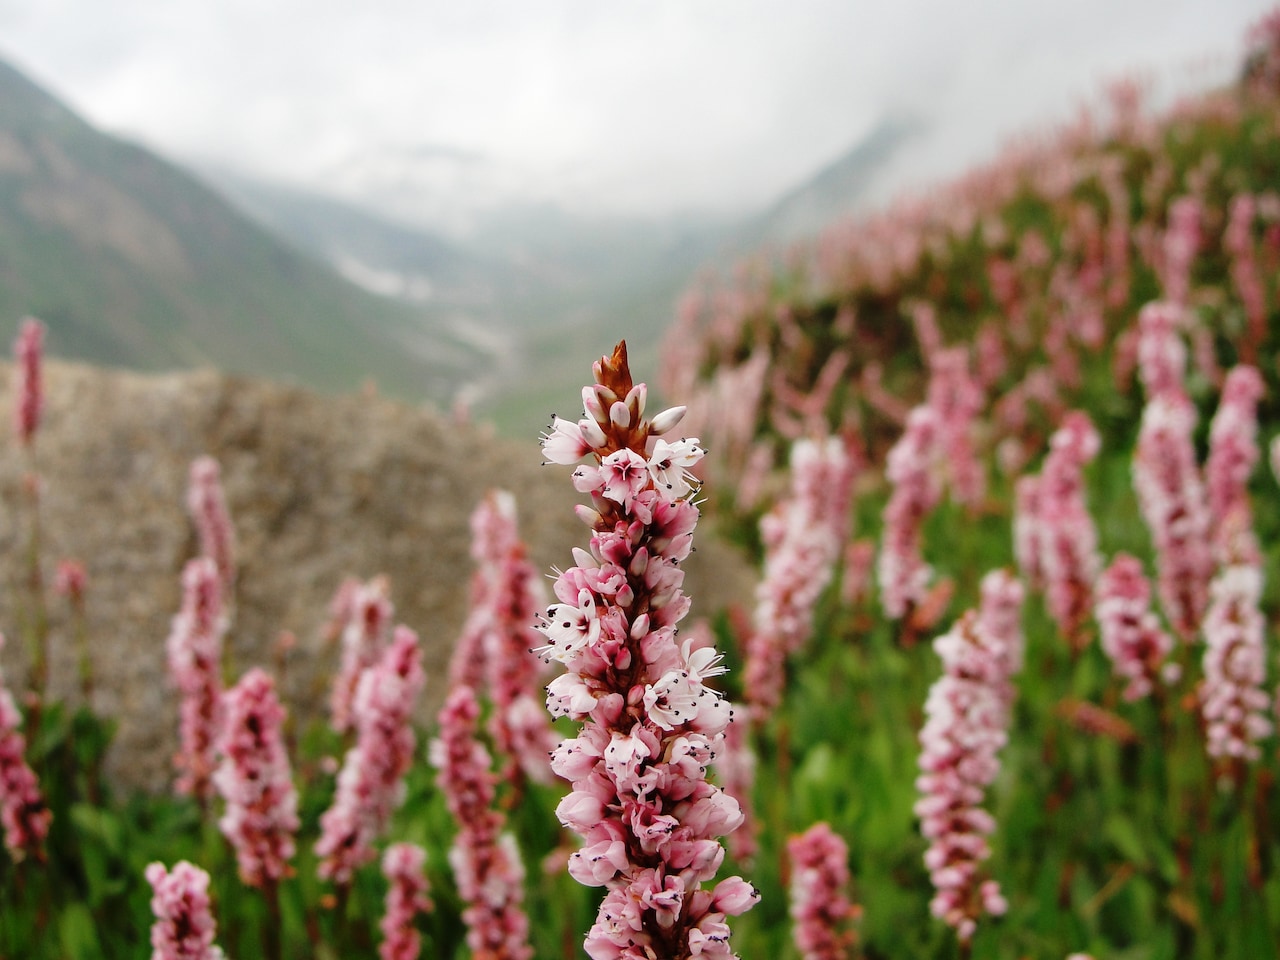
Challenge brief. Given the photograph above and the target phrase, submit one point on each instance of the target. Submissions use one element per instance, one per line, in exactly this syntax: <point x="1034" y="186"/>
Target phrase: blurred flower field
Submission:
<point x="1006" y="455"/>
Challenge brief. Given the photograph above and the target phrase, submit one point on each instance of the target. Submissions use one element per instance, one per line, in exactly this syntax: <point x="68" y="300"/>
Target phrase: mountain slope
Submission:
<point x="842" y="188"/>
<point x="542" y="290"/>
<point x="133" y="262"/>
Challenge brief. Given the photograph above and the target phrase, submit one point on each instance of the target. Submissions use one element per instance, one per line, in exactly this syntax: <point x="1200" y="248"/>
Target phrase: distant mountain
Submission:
<point x="846" y="186"/>
<point x="543" y="290"/>
<point x="386" y="257"/>
<point x="133" y="262"/>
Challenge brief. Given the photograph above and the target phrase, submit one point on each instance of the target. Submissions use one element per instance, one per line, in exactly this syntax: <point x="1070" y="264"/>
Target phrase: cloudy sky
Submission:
<point x="624" y="106"/>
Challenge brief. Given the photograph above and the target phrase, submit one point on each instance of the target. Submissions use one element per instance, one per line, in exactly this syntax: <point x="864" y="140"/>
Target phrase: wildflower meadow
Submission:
<point x="1006" y="457"/>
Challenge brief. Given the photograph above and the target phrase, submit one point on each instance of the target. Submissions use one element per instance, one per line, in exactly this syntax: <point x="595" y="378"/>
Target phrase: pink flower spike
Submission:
<point x="485" y="861"/>
<point x="208" y="508"/>
<point x="1162" y="355"/>
<point x="639" y="797"/>
<point x="1233" y="453"/>
<point x="803" y="536"/>
<point x="364" y="637"/>
<point x="1131" y="634"/>
<point x="28" y="352"/>
<point x="1233" y="703"/>
<point x="22" y="809"/>
<point x="495" y="648"/>
<point x="69" y="580"/>
<point x="1172" y="499"/>
<point x="1068" y="538"/>
<point x="195" y="654"/>
<point x="254" y="779"/>
<point x="968" y="712"/>
<point x="912" y="468"/>
<point x="403" y="865"/>
<point x="820" y="908"/>
<point x="370" y="783"/>
<point x="184" y="928"/>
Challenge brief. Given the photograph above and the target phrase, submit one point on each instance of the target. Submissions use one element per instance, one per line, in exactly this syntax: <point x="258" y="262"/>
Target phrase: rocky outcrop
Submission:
<point x="318" y="488"/>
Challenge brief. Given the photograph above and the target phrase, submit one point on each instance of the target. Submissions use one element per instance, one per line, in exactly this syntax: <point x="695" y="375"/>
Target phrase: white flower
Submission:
<point x="673" y="700"/>
<point x="669" y="464"/>
<point x="569" y="628"/>
<point x="703" y="663"/>
<point x="569" y="696"/>
<point x="564" y="442"/>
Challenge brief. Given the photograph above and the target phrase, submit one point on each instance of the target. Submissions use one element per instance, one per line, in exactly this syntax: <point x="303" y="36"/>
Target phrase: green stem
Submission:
<point x="272" y="944"/>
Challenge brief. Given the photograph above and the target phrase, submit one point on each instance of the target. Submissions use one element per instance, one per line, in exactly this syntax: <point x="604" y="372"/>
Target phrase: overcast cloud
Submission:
<point x="611" y="106"/>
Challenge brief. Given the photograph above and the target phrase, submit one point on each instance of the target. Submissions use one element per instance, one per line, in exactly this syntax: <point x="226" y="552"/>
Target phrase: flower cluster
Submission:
<point x="208" y="508"/>
<point x="1234" y="704"/>
<point x="370" y="783"/>
<point x="968" y="712"/>
<point x="1233" y="453"/>
<point x="366" y="611"/>
<point x="254" y="779"/>
<point x="485" y="860"/>
<point x="1171" y="497"/>
<point x="819" y="905"/>
<point x="651" y="726"/>
<point x="184" y="928"/>
<point x="803" y="538"/>
<point x="1166" y="475"/>
<point x="1130" y="632"/>
<point x="494" y="649"/>
<point x="958" y="400"/>
<point x="1068" y="539"/>
<point x="403" y="865"/>
<point x="195" y="650"/>
<point x="1181" y="241"/>
<point x="28" y="350"/>
<point x="901" y="571"/>
<point x="22" y="809"/>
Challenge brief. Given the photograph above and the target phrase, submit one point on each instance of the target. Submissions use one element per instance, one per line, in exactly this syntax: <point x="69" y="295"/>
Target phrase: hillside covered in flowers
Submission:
<point x="1006" y="458"/>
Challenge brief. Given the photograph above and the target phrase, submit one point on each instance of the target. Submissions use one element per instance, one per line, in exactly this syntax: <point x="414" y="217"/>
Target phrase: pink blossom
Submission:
<point x="1172" y="499"/>
<point x="69" y="580"/>
<point x="803" y="538"/>
<point x="485" y="861"/>
<point x="1131" y="634"/>
<point x="254" y="779"/>
<point x="28" y="352"/>
<point x="639" y="796"/>
<point x="494" y="649"/>
<point x="1162" y="355"/>
<point x="184" y="928"/>
<point x="370" y="783"/>
<point x="364" y="637"/>
<point x="968" y="711"/>
<point x="958" y="400"/>
<point x="402" y="865"/>
<point x="208" y="508"/>
<point x="1235" y="658"/>
<point x="1233" y="453"/>
<point x="912" y="468"/>
<point x="1181" y="243"/>
<point x="195" y="653"/>
<point x="22" y="808"/>
<point x="820" y="908"/>
<point x="1068" y="538"/>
